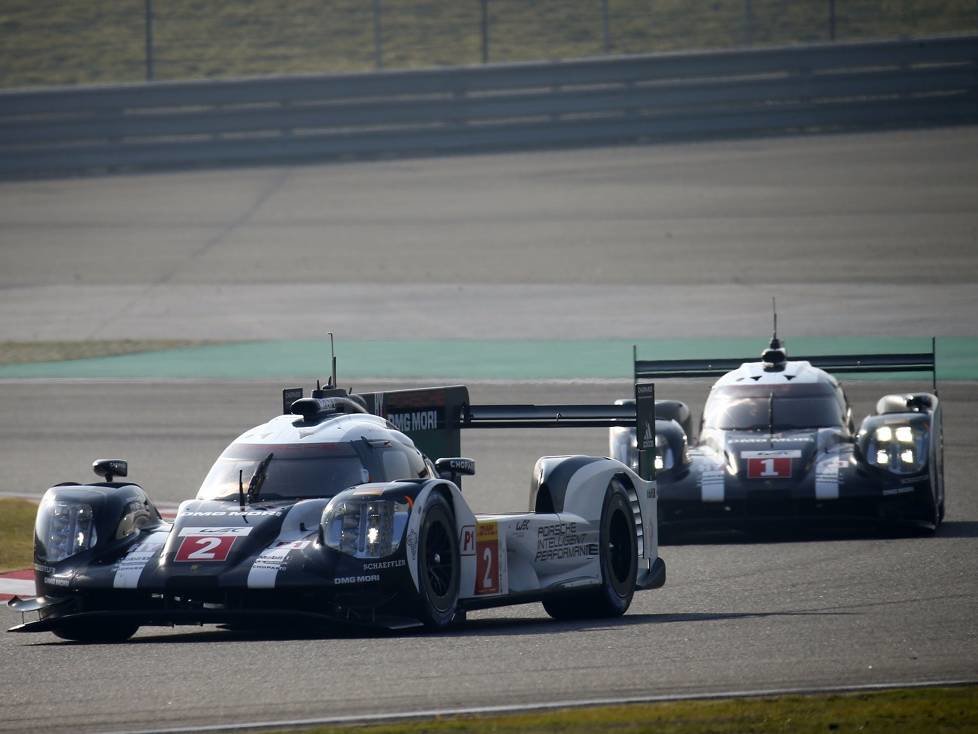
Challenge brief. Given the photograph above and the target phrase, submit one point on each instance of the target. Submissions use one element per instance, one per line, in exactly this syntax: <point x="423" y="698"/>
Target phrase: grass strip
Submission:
<point x="944" y="710"/>
<point x="104" y="41"/>
<point x="16" y="534"/>
<point x="59" y="351"/>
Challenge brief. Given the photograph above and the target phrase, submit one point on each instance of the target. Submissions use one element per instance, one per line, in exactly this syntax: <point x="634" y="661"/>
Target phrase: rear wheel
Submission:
<point x="90" y="630"/>
<point x="618" y="550"/>
<point x="438" y="565"/>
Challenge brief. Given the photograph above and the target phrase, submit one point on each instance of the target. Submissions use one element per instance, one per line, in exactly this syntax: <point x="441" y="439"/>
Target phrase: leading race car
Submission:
<point x="332" y="512"/>
<point x="777" y="441"/>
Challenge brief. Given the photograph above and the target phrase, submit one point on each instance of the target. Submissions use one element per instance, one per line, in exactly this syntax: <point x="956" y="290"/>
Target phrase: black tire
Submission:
<point x="438" y="565"/>
<point x="933" y="513"/>
<point x="96" y="630"/>
<point x="618" y="549"/>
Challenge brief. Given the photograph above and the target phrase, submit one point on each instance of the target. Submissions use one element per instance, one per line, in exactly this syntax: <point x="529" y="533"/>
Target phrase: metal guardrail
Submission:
<point x="660" y="97"/>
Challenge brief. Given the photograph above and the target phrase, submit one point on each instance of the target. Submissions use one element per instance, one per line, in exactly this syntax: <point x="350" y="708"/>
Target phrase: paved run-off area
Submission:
<point x="856" y="235"/>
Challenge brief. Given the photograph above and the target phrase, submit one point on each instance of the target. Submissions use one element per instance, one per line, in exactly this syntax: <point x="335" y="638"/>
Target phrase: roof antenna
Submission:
<point x="332" y="354"/>
<point x="775" y="356"/>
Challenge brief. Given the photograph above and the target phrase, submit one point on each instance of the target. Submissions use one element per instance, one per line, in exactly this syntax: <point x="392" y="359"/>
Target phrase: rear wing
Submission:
<point x="916" y="362"/>
<point x="434" y="417"/>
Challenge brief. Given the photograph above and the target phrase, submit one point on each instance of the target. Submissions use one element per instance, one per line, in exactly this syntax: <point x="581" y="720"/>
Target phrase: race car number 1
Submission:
<point x="769" y="468"/>
<point x="487" y="558"/>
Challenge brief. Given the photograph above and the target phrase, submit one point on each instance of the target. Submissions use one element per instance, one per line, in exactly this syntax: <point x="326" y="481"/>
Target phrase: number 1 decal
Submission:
<point x="487" y="558"/>
<point x="769" y="468"/>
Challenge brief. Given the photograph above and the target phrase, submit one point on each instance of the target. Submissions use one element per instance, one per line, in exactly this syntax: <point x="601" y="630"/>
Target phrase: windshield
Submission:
<point x="771" y="409"/>
<point x="314" y="470"/>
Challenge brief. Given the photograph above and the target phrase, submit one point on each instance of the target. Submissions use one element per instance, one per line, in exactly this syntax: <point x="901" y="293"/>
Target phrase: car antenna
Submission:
<point x="332" y="355"/>
<point x="775" y="355"/>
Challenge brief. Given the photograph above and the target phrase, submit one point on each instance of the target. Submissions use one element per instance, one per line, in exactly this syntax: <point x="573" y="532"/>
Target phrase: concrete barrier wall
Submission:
<point x="685" y="96"/>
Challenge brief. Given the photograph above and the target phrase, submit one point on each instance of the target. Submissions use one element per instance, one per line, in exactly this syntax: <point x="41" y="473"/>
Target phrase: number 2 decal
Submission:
<point x="206" y="548"/>
<point x="487" y="581"/>
<point x="487" y="558"/>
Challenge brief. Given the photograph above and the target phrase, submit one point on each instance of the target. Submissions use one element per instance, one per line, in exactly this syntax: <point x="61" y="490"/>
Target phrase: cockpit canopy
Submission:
<point x="773" y="408"/>
<point x="298" y="471"/>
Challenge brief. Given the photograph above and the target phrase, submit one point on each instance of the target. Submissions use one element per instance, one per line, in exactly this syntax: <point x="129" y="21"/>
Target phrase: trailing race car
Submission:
<point x="332" y="512"/>
<point x="777" y="441"/>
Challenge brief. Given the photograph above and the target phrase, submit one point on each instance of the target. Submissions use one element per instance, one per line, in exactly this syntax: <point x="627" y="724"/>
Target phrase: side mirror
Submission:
<point x="454" y="468"/>
<point x="110" y="468"/>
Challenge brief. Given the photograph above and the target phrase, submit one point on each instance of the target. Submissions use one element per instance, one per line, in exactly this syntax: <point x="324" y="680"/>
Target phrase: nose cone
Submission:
<point x="211" y="537"/>
<point x="777" y="458"/>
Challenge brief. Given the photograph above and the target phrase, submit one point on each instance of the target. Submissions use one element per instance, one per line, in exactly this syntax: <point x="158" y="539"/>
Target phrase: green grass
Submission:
<point x="16" y="534"/>
<point x="46" y="42"/>
<point x="59" y="351"/>
<point x="917" y="711"/>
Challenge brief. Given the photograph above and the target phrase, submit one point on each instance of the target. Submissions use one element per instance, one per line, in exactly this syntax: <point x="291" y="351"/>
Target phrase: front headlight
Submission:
<point x="65" y="528"/>
<point x="664" y="456"/>
<point x="364" y="527"/>
<point x="897" y="449"/>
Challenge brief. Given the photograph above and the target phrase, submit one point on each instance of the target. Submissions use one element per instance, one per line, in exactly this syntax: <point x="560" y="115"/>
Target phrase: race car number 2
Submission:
<point x="487" y="558"/>
<point x="207" y="544"/>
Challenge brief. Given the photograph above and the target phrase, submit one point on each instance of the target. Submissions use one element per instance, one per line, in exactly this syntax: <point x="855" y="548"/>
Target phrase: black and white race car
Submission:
<point x="777" y="441"/>
<point x="333" y="512"/>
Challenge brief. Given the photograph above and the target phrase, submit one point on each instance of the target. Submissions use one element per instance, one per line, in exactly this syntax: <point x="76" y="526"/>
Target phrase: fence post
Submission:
<point x="378" y="37"/>
<point x="150" y="74"/>
<point x="485" y="30"/>
<point x="749" y="22"/>
<point x="605" y="28"/>
<point x="831" y="20"/>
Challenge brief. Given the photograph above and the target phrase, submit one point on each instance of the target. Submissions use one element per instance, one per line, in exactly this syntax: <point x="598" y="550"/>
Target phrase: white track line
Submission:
<point x="481" y="710"/>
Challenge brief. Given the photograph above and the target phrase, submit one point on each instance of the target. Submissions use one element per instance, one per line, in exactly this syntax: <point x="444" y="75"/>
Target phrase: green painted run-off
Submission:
<point x="957" y="358"/>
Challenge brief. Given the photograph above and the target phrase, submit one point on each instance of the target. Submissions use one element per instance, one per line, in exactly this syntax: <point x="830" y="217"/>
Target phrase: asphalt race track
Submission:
<point x="846" y="609"/>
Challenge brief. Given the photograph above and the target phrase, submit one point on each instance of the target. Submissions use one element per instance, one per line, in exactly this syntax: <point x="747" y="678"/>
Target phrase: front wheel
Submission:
<point x="438" y="565"/>
<point x="619" y="565"/>
<point x="96" y="630"/>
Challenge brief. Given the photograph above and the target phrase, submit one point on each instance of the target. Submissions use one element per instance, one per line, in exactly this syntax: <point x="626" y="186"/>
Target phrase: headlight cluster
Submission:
<point x="664" y="456"/>
<point x="65" y="528"/>
<point x="364" y="527"/>
<point x="899" y="449"/>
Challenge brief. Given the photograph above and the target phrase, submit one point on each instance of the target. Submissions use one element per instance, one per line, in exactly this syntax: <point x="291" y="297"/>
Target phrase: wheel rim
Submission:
<point x="439" y="564"/>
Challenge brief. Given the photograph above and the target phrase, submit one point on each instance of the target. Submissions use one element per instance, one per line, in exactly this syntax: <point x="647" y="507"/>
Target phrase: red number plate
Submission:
<point x="773" y="468"/>
<point x="205" y="548"/>
<point x="487" y="558"/>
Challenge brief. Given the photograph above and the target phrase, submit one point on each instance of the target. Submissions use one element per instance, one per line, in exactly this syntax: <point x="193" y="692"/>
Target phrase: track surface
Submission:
<point x="718" y="226"/>
<point x="733" y="616"/>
